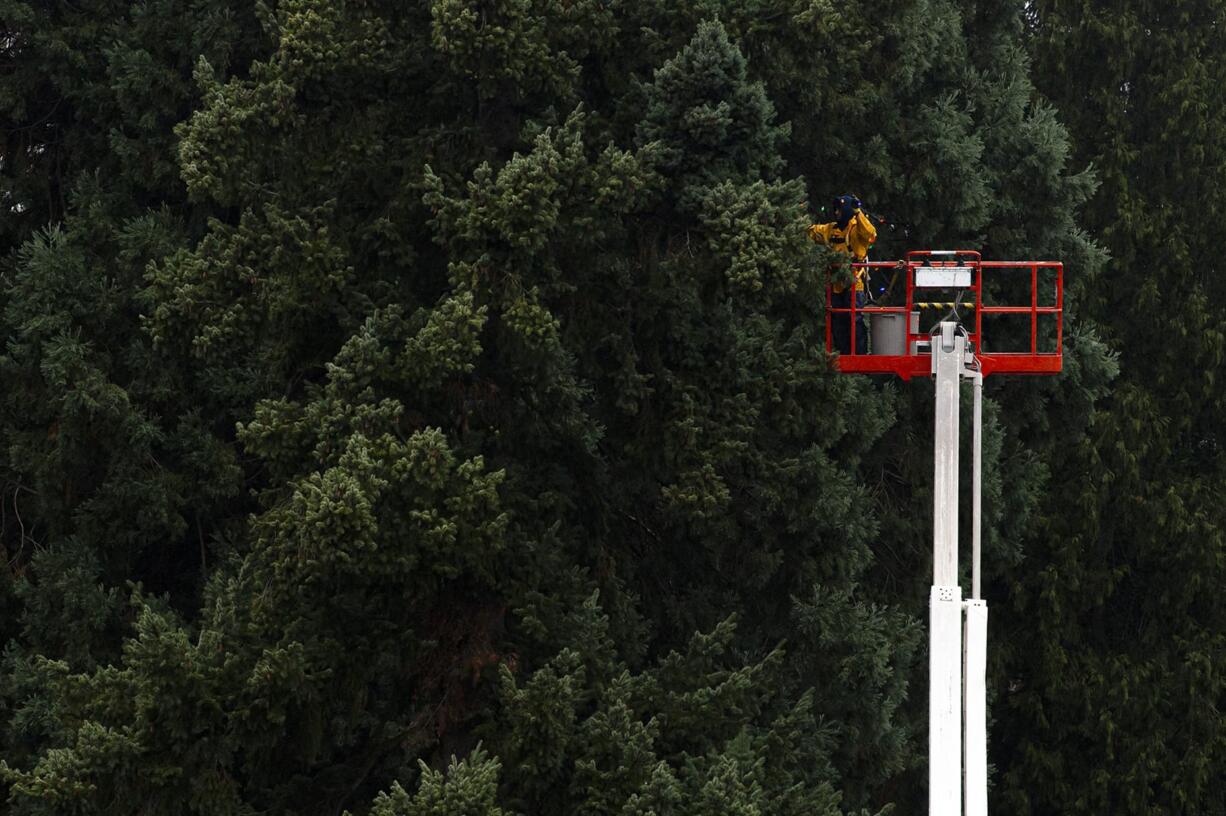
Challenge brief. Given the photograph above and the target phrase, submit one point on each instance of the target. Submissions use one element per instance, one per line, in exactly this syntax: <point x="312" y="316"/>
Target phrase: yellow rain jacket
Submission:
<point x="855" y="240"/>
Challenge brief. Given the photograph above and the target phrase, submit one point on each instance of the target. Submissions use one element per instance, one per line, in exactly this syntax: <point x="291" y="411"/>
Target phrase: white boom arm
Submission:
<point x="957" y="665"/>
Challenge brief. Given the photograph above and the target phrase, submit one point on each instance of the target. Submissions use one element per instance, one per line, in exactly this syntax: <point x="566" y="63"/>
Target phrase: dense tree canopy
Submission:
<point x="422" y="408"/>
<point x="1128" y="604"/>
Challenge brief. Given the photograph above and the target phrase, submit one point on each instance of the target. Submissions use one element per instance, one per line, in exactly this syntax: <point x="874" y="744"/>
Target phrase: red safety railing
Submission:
<point x="914" y="358"/>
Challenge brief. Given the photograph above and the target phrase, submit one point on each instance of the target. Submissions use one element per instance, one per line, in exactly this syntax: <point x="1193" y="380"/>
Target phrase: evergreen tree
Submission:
<point x="1118" y="709"/>
<point x="398" y="379"/>
<point x="394" y="424"/>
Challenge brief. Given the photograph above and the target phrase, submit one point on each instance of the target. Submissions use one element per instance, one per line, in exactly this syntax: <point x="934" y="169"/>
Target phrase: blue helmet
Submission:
<point x="844" y="208"/>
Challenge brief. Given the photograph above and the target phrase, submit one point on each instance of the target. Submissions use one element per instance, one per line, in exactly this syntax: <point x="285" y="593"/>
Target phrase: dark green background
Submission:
<point x="390" y="381"/>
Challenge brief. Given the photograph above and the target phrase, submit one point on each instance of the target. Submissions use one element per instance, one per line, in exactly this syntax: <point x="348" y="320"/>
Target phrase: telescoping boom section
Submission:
<point x="1013" y="313"/>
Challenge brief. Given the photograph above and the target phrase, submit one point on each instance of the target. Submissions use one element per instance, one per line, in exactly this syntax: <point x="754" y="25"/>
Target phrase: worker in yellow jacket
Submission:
<point x="853" y="233"/>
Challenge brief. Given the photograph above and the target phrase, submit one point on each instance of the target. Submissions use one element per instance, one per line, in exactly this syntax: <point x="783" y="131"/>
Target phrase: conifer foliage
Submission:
<point x="1127" y="602"/>
<point x="423" y="408"/>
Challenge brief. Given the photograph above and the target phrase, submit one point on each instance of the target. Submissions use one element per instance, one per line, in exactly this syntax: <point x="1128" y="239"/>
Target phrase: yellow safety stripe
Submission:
<point x="949" y="305"/>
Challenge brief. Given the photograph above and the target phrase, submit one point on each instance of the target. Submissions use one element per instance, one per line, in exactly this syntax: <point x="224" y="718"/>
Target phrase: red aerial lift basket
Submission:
<point x="1013" y="312"/>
